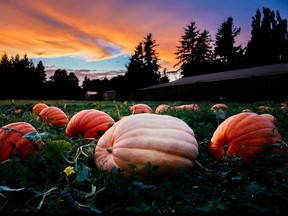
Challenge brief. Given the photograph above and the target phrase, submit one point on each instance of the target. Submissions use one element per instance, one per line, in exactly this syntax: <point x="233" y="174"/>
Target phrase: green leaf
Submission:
<point x="56" y="148"/>
<point x="93" y="208"/>
<point x="83" y="174"/>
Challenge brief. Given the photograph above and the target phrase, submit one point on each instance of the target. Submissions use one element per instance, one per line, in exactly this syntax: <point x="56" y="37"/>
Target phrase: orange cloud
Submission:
<point x="96" y="30"/>
<point x="93" y="30"/>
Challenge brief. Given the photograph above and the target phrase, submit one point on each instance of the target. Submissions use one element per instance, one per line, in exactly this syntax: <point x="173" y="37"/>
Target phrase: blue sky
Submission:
<point x="95" y="38"/>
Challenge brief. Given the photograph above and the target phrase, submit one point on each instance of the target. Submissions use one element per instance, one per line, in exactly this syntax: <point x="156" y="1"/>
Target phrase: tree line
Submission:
<point x="196" y="54"/>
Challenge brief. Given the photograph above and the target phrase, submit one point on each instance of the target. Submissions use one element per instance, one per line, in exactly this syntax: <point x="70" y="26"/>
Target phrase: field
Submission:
<point x="40" y="185"/>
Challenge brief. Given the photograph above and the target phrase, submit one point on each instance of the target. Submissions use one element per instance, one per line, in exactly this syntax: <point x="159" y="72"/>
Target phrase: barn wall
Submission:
<point x="271" y="87"/>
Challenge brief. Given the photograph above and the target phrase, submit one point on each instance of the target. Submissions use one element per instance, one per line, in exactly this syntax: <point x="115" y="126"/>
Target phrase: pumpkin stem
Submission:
<point x="110" y="150"/>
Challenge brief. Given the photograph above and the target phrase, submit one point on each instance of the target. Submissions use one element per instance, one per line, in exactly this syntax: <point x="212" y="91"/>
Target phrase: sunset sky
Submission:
<point x="95" y="38"/>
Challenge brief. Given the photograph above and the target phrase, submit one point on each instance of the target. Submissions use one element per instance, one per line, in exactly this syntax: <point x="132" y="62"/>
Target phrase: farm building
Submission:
<point x="109" y="95"/>
<point x="268" y="82"/>
<point x="91" y="95"/>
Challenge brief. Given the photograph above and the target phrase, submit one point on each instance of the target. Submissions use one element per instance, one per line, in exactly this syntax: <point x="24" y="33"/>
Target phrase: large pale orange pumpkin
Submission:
<point x="141" y="108"/>
<point x="89" y="123"/>
<point x="165" y="142"/>
<point x="38" y="108"/>
<point x="13" y="143"/>
<point x="246" y="135"/>
<point x="53" y="116"/>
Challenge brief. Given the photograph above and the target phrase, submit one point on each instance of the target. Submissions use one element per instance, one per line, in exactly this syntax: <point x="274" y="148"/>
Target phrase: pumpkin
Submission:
<point x="53" y="116"/>
<point x="162" y="108"/>
<point x="89" y="123"/>
<point x="189" y="107"/>
<point x="38" y="108"/>
<point x="283" y="106"/>
<point x="165" y="142"/>
<point x="246" y="135"/>
<point x="140" y="108"/>
<point x="13" y="143"/>
<point x="219" y="106"/>
<point x="265" y="108"/>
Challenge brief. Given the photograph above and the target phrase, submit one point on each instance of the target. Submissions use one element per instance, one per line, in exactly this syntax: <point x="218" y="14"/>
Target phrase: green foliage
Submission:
<point x="63" y="177"/>
<point x="55" y="149"/>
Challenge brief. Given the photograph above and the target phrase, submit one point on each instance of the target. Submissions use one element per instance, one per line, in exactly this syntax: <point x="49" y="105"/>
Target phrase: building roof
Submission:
<point x="226" y="75"/>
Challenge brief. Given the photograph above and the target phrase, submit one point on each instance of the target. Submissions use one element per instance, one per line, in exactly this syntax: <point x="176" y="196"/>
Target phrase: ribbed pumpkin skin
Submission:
<point x="89" y="123"/>
<point x="161" y="140"/>
<point x="140" y="108"/>
<point x="38" y="108"/>
<point x="12" y="143"/>
<point x="53" y="115"/>
<point x="245" y="134"/>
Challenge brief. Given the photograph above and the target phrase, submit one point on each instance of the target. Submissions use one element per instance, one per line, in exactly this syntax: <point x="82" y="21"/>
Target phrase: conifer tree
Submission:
<point x="226" y="53"/>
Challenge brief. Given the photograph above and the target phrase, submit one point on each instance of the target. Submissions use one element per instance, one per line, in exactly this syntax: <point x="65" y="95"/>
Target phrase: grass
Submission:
<point x="40" y="184"/>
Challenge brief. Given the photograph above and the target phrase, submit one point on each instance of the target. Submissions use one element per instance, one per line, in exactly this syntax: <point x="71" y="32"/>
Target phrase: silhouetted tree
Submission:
<point x="6" y="76"/>
<point x="151" y="58"/>
<point x="143" y="68"/>
<point x="268" y="43"/>
<point x="135" y="71"/>
<point x="226" y="53"/>
<point x="203" y="54"/>
<point x="164" y="78"/>
<point x="65" y="86"/>
<point x="194" y="53"/>
<point x="40" y="73"/>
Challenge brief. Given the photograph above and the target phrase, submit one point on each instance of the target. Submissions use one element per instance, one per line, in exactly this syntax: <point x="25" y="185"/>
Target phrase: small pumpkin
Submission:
<point x="89" y="123"/>
<point x="219" y="106"/>
<point x="265" y="108"/>
<point x="13" y="143"/>
<point x="283" y="106"/>
<point x="188" y="107"/>
<point x="38" y="108"/>
<point x="162" y="108"/>
<point x="53" y="116"/>
<point x="246" y="135"/>
<point x="165" y="142"/>
<point x="140" y="108"/>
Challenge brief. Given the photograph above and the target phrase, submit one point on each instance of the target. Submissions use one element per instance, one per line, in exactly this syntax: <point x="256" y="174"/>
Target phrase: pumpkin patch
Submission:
<point x="177" y="161"/>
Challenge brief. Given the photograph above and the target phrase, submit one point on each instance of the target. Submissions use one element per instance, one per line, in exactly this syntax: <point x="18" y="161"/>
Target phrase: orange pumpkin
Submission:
<point x="38" y="108"/>
<point x="13" y="143"/>
<point x="189" y="107"/>
<point x="53" y="116"/>
<point x="265" y="108"/>
<point x="246" y="135"/>
<point x="162" y="108"/>
<point x="89" y="123"/>
<point x="140" y="108"/>
<point x="219" y="106"/>
<point x="165" y="142"/>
